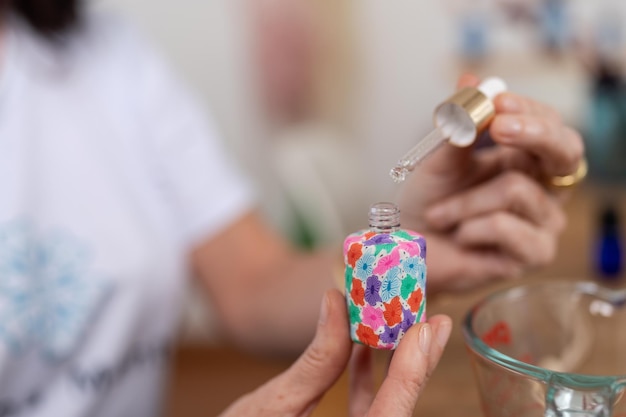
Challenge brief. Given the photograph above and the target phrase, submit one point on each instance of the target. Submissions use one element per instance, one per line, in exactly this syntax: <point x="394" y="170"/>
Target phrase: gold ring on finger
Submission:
<point x="570" y="180"/>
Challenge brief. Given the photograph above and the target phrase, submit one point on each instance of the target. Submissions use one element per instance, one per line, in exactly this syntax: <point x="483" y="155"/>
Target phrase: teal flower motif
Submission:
<point x="355" y="313"/>
<point x="391" y="285"/>
<point x="348" y="278"/>
<point x="408" y="286"/>
<point x="403" y="235"/>
<point x="412" y="265"/>
<point x="421" y="274"/>
<point x="364" y="266"/>
<point x="386" y="248"/>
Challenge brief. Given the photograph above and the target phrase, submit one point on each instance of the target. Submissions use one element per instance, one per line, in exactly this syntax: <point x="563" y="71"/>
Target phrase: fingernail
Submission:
<point x="425" y="337"/>
<point x="443" y="333"/>
<point x="439" y="215"/>
<point x="509" y="127"/>
<point x="323" y="311"/>
<point x="509" y="103"/>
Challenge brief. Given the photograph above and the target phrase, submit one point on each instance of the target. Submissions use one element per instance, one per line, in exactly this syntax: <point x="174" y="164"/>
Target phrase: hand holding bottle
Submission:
<point x="297" y="391"/>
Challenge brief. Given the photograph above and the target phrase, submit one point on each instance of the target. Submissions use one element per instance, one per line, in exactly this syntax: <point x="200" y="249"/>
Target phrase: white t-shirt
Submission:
<point x="109" y="173"/>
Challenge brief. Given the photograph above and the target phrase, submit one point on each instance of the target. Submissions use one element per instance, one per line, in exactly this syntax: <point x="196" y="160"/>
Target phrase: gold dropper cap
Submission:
<point x="468" y="112"/>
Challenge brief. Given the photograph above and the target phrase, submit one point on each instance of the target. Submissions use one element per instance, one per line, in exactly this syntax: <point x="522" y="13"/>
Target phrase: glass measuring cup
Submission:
<point x="554" y="349"/>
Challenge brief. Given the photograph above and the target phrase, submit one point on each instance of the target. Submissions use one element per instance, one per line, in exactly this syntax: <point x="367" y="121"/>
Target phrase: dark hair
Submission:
<point x="48" y="17"/>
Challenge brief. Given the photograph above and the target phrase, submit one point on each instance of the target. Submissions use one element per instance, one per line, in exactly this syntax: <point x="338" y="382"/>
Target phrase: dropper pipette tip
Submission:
<point x="399" y="173"/>
<point x="416" y="155"/>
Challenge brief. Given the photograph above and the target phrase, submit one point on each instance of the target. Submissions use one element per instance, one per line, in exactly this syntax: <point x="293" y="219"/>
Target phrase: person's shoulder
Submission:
<point x="110" y="37"/>
<point x="101" y="44"/>
<point x="110" y="48"/>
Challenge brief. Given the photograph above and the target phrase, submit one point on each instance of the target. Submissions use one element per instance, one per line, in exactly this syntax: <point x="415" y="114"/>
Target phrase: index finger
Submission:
<point x="558" y="148"/>
<point x="509" y="102"/>
<point x="413" y="362"/>
<point x="361" y="381"/>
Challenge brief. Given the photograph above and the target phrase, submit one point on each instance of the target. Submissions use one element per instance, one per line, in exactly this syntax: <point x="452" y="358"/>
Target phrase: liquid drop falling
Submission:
<point x="398" y="174"/>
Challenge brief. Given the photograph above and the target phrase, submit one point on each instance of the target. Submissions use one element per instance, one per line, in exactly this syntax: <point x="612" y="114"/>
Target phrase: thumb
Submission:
<point x="326" y="357"/>
<point x="297" y="390"/>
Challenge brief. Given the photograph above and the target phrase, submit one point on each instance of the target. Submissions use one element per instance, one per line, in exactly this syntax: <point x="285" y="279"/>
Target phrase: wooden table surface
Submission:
<point x="206" y="379"/>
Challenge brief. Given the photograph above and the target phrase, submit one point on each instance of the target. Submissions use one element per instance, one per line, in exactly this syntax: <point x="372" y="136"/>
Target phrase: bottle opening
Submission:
<point x="384" y="217"/>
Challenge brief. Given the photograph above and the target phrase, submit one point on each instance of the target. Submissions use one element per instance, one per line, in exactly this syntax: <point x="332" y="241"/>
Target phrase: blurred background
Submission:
<point x="319" y="98"/>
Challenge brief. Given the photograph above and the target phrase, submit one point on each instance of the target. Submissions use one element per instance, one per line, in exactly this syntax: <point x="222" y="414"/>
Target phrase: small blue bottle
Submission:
<point x="608" y="257"/>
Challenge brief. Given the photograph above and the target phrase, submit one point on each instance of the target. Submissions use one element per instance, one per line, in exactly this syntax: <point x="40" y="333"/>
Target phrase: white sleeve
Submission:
<point x="205" y="188"/>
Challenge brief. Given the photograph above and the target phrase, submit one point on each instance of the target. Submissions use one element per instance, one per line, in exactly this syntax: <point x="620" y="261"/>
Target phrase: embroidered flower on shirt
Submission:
<point x="47" y="290"/>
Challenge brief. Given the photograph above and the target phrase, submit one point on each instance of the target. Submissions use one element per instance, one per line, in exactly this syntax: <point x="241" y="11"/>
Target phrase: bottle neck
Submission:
<point x="384" y="218"/>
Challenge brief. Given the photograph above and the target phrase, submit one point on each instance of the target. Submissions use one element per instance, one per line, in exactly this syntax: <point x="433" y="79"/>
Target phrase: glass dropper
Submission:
<point x="458" y="120"/>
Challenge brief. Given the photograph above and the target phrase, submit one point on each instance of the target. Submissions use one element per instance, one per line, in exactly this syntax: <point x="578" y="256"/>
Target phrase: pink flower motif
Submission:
<point x="350" y="240"/>
<point x="387" y="262"/>
<point x="387" y="346"/>
<point x="412" y="248"/>
<point x="373" y="317"/>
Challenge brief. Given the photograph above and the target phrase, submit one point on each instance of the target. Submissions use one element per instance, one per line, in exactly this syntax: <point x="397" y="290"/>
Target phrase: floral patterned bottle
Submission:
<point x="385" y="279"/>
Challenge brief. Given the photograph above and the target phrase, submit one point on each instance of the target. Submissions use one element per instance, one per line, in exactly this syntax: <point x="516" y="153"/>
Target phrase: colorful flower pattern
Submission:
<point x="385" y="285"/>
<point x="364" y="265"/>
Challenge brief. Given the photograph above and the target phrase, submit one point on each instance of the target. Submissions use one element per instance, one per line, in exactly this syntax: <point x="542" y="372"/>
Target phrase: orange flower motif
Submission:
<point x="415" y="300"/>
<point x="357" y="293"/>
<point x="366" y="335"/>
<point x="369" y="235"/>
<point x="393" y="312"/>
<point x="355" y="252"/>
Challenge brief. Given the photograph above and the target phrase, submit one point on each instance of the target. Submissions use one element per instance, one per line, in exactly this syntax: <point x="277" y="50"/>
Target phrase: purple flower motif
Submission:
<point x="378" y="240"/>
<point x="422" y="243"/>
<point x="408" y="319"/>
<point x="372" y="289"/>
<point x="390" y="335"/>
